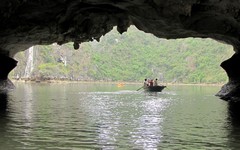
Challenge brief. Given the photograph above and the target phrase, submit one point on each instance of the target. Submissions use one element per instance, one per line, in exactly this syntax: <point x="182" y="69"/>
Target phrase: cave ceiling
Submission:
<point x="41" y="22"/>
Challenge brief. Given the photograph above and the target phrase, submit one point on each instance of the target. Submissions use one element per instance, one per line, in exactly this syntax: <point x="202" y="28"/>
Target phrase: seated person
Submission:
<point x="155" y="83"/>
<point x="145" y="84"/>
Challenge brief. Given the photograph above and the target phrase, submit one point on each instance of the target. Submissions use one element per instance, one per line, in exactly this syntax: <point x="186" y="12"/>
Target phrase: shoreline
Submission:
<point x="113" y="82"/>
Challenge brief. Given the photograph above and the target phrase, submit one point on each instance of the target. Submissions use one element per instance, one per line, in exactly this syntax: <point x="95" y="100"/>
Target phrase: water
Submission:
<point x="97" y="116"/>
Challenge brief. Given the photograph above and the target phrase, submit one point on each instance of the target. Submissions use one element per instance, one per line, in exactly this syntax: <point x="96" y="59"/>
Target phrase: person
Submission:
<point x="155" y="82"/>
<point x="151" y="82"/>
<point x="145" y="84"/>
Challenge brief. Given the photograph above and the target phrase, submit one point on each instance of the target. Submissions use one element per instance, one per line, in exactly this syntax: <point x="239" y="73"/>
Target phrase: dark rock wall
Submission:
<point x="27" y="22"/>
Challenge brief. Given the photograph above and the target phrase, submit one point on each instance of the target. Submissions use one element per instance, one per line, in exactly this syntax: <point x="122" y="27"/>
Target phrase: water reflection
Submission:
<point x="234" y="124"/>
<point x="137" y="122"/>
<point x="151" y="94"/>
<point x="71" y="117"/>
<point x="148" y="134"/>
<point x="3" y="103"/>
<point x="234" y="113"/>
<point x="4" y="122"/>
<point x="28" y="97"/>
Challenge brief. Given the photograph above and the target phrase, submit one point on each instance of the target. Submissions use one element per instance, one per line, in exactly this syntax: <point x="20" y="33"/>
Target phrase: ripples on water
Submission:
<point x="37" y="116"/>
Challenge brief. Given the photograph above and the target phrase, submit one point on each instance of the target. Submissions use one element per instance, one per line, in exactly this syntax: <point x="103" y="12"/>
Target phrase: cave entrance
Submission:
<point x="130" y="57"/>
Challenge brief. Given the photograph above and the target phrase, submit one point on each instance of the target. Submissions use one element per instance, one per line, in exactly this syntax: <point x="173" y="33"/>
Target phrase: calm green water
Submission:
<point x="94" y="116"/>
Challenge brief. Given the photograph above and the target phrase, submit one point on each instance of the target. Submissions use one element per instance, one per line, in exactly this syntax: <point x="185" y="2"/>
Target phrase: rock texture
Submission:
<point x="29" y="22"/>
<point x="7" y="64"/>
<point x="231" y="90"/>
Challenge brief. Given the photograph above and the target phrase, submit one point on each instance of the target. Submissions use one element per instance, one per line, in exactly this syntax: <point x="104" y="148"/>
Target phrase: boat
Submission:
<point x="154" y="88"/>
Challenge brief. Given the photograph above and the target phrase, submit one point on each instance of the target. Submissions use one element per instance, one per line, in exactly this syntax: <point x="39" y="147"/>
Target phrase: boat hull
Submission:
<point x="154" y="88"/>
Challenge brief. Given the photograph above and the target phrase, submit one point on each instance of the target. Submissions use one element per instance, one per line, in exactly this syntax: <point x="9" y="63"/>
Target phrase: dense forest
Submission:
<point x="131" y="57"/>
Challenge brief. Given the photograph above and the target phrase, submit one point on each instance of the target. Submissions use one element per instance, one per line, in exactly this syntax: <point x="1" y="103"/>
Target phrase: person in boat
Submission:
<point x="145" y="84"/>
<point x="155" y="83"/>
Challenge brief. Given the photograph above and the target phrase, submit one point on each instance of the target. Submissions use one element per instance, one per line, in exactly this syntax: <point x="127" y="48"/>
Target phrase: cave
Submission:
<point x="25" y="23"/>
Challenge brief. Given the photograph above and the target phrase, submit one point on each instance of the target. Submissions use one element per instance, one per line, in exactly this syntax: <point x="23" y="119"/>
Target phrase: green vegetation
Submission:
<point x="132" y="56"/>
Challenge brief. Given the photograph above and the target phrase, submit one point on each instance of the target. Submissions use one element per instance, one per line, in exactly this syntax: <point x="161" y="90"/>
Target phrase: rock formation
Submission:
<point x="25" y="23"/>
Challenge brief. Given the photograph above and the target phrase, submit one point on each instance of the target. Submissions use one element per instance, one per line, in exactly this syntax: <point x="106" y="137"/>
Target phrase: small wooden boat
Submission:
<point x="154" y="88"/>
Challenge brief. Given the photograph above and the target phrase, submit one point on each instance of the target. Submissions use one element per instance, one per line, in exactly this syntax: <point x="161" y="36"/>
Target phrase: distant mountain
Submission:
<point x="132" y="56"/>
